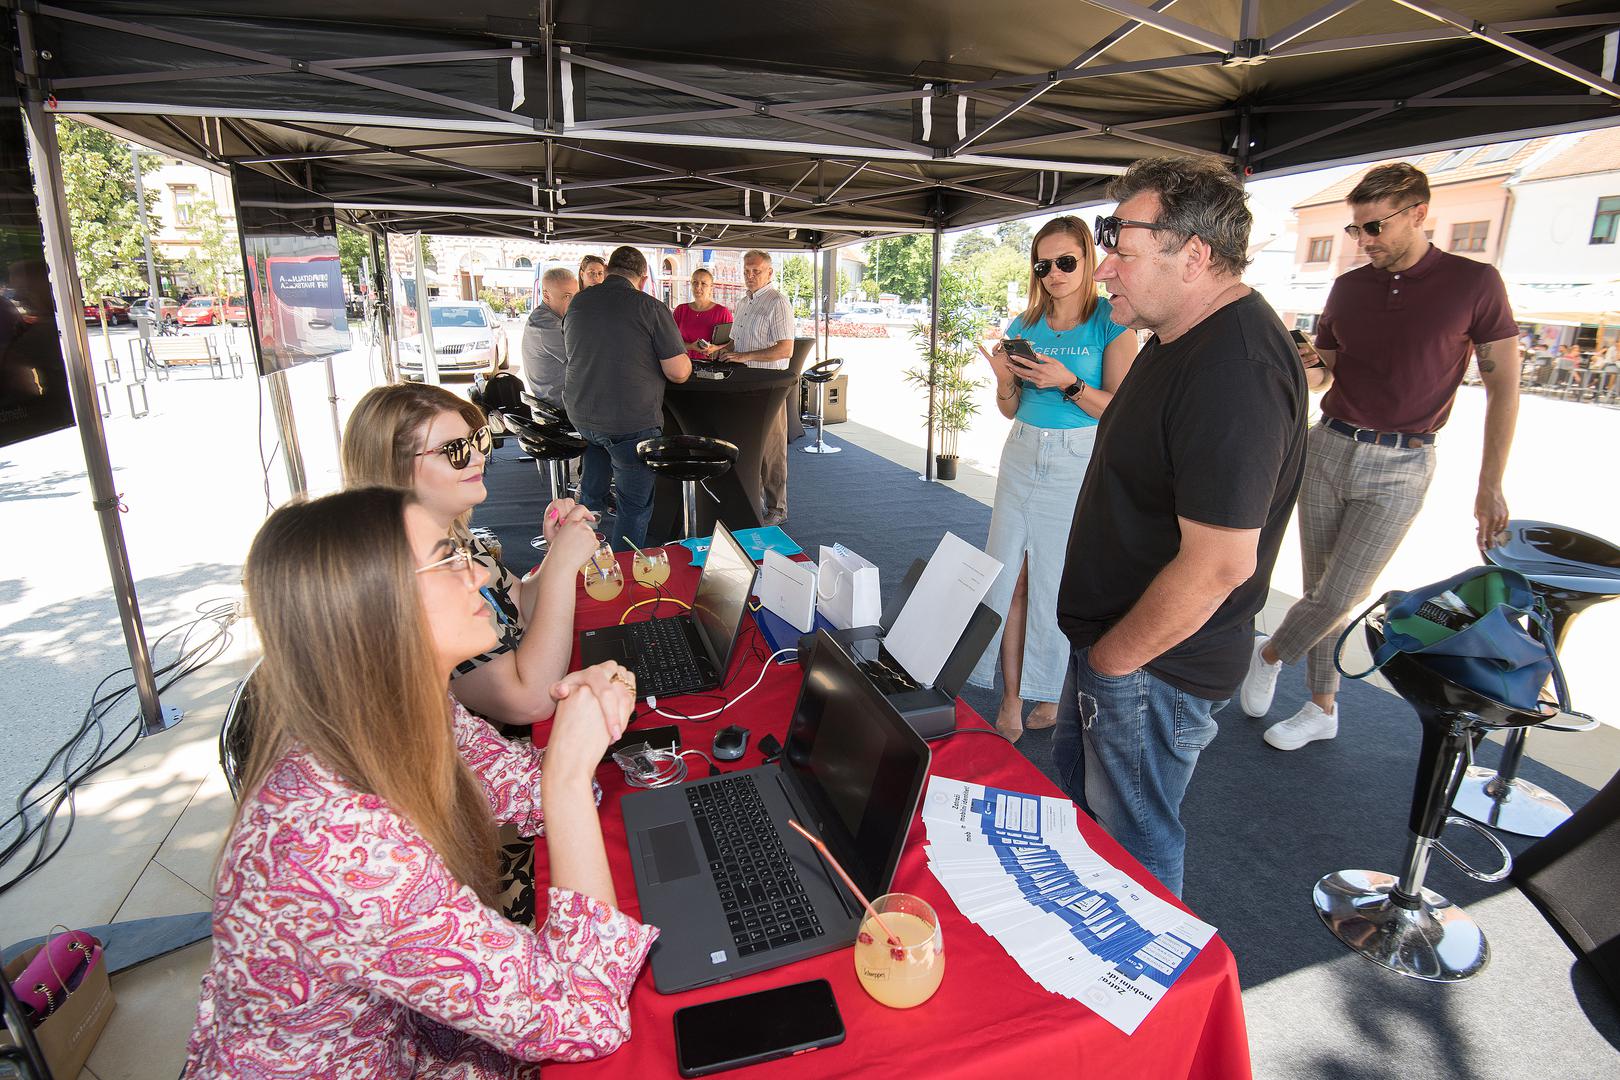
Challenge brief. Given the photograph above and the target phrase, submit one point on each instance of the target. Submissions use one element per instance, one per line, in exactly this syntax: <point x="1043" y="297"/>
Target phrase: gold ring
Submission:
<point x="619" y="677"/>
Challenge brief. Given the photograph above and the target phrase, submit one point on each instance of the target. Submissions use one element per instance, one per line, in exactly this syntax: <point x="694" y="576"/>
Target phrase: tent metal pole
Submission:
<point x="105" y="500"/>
<point x="292" y="456"/>
<point x="383" y="292"/>
<point x="424" y="314"/>
<point x="933" y="346"/>
<point x="135" y="153"/>
<point x="332" y="400"/>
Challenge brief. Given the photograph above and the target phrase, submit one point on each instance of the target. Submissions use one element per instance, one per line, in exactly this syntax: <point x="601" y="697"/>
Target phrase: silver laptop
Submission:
<point x="732" y="887"/>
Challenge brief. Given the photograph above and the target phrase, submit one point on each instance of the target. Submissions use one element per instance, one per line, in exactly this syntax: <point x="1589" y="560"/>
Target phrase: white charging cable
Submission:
<point x="645" y="767"/>
<point x="652" y="702"/>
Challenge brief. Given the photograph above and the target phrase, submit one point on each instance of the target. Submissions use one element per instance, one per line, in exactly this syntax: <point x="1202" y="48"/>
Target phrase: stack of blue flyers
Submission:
<point x="1016" y="865"/>
<point x="754" y="541"/>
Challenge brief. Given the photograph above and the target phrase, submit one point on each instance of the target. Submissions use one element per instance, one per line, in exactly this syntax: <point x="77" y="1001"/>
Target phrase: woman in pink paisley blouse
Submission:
<point x="354" y="937"/>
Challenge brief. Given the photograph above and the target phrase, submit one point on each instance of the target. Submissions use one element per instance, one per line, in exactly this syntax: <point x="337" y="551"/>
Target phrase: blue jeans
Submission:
<point x="1125" y="750"/>
<point x="612" y="458"/>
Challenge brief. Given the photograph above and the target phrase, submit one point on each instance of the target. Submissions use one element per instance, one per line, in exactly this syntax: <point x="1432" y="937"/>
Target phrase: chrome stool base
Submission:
<point x="1436" y="941"/>
<point x="1511" y="805"/>
<point x="820" y="447"/>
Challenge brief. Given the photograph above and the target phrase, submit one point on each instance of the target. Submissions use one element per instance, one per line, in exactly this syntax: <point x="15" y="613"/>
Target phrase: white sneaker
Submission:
<point x="1305" y="726"/>
<point x="1260" y="683"/>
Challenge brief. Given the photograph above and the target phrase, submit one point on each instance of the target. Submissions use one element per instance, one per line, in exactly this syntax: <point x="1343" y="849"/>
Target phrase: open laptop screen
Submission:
<point x="858" y="763"/>
<point x="722" y="594"/>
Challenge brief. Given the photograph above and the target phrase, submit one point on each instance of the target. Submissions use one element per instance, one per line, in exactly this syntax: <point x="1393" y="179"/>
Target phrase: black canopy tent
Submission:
<point x="803" y="125"/>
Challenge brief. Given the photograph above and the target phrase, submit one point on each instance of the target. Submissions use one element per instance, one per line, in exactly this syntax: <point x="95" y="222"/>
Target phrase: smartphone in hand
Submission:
<point x="1307" y="351"/>
<point x="1020" y="349"/>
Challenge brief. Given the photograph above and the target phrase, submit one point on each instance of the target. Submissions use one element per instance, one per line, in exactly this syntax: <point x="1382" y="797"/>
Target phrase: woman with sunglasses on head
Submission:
<point x="353" y="924"/>
<point x="1074" y="360"/>
<point x="428" y="440"/>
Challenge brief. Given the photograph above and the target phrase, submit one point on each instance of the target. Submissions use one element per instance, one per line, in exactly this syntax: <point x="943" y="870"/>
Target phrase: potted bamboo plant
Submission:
<point x="944" y="369"/>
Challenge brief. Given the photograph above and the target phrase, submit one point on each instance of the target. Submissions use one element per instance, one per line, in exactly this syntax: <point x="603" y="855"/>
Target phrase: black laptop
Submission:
<point x="718" y="869"/>
<point x="690" y="651"/>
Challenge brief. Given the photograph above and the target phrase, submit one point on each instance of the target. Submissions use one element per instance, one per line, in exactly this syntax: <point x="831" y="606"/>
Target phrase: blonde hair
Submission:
<point x="383" y="435"/>
<point x="349" y="672"/>
<point x="1040" y="302"/>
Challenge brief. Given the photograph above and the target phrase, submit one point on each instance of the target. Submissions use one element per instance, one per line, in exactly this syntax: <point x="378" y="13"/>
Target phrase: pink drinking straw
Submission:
<point x="832" y="862"/>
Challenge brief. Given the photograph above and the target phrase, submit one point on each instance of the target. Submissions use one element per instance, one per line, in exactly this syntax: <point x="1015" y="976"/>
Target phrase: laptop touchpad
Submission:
<point x="671" y="849"/>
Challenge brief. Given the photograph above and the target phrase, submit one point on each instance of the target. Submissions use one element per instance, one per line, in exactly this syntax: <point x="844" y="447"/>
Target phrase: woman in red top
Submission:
<point x="697" y="320"/>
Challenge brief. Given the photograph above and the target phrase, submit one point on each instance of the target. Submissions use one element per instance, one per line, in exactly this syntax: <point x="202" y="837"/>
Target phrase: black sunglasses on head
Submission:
<point x="1065" y="263"/>
<point x="1107" y="229"/>
<point x="458" y="452"/>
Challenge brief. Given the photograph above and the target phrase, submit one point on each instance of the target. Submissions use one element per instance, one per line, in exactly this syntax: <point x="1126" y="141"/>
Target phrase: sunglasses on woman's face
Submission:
<point x="1065" y="263"/>
<point x="458" y="452"/>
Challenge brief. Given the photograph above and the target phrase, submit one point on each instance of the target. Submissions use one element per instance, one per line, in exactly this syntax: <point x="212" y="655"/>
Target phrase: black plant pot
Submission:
<point x="945" y="466"/>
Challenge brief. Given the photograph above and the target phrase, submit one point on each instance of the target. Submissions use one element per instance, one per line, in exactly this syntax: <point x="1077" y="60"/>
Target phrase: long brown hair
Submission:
<point x="349" y="673"/>
<point x="384" y="432"/>
<point x="1040" y="301"/>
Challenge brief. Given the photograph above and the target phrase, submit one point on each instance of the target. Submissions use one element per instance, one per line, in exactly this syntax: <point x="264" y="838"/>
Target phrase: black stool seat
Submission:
<point x="691" y="459"/>
<point x="1570" y="571"/>
<point x="824" y="371"/>
<point x="546" y="412"/>
<point x="687" y="457"/>
<point x="1395" y="921"/>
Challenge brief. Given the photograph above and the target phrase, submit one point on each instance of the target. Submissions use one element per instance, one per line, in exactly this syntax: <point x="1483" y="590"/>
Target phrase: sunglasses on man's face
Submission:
<point x="1107" y="229"/>
<point x="1373" y="228"/>
<point x="1065" y="263"/>
<point x="458" y="452"/>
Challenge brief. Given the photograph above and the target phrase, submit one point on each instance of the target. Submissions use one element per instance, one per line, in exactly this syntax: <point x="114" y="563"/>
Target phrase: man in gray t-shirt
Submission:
<point x="622" y="348"/>
<point x="544" y="356"/>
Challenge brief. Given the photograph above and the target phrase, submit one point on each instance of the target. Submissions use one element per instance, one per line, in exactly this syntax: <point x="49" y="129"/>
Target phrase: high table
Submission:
<point x="988" y="1018"/>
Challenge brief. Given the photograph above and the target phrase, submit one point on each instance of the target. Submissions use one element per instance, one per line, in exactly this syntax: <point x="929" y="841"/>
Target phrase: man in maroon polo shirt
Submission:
<point x="1391" y="347"/>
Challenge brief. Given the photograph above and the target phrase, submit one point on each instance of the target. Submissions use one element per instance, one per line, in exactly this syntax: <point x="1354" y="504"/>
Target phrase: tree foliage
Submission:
<point x="944" y="367"/>
<point x="902" y="265"/>
<point x="796" y="280"/>
<point x="988" y="260"/>
<point x="353" y="246"/>
<point x="98" y="178"/>
<point x="215" y="259"/>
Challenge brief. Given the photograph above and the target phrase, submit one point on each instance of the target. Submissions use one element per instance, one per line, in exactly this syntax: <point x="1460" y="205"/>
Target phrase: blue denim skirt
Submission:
<point x="1041" y="473"/>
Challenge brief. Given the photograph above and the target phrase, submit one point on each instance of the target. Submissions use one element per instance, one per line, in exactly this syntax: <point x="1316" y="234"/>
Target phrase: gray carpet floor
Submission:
<point x="1263" y="827"/>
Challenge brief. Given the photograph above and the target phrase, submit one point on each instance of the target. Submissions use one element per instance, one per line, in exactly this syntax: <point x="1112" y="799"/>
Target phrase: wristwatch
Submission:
<point x="1073" y="392"/>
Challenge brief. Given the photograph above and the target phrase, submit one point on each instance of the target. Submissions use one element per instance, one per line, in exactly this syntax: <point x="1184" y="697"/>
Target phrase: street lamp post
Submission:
<point x="135" y="153"/>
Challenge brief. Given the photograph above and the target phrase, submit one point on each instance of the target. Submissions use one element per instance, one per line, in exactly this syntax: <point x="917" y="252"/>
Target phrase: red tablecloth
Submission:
<point x="988" y="1018"/>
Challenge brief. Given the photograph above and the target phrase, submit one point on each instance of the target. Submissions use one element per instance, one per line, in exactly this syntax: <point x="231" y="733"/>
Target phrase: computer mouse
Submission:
<point x="730" y="743"/>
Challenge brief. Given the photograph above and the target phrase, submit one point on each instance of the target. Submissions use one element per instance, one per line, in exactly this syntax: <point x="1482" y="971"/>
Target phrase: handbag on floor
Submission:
<point x="1484" y="629"/>
<point x="66" y="998"/>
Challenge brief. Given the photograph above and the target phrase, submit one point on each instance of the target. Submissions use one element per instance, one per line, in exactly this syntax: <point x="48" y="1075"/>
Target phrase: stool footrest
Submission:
<point x="1478" y="875"/>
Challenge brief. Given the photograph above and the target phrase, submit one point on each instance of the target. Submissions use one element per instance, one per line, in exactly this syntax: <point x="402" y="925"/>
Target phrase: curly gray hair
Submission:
<point x="1197" y="197"/>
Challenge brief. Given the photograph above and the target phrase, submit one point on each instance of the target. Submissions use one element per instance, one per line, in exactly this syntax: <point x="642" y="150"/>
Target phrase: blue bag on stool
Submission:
<point x="1472" y="629"/>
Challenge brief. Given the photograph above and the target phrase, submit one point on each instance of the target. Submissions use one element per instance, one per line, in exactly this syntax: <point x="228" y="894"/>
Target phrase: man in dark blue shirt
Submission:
<point x="623" y="348"/>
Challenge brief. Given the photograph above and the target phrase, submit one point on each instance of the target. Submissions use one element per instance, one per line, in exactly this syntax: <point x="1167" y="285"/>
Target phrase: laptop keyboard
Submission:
<point x="664" y="663"/>
<point x="764" y="901"/>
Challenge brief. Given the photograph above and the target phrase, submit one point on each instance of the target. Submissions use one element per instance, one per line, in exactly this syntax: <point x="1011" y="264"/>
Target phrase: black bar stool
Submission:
<point x="691" y="459"/>
<point x="552" y="448"/>
<point x="821" y="374"/>
<point x="563" y="482"/>
<point x="1395" y="921"/>
<point x="1570" y="570"/>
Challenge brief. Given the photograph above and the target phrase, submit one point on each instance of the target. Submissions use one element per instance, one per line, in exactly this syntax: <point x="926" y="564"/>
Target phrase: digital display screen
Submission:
<point x="34" y="398"/>
<point x="294" y="275"/>
<point x="722" y="594"/>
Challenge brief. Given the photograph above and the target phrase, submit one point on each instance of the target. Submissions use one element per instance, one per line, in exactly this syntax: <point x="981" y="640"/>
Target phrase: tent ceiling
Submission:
<point x="807" y="123"/>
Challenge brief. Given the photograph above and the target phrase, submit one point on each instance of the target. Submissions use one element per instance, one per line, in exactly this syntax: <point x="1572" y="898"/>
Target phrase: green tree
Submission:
<point x="215" y="259"/>
<point x="987" y="274"/>
<point x="98" y="178"/>
<point x="841" y="285"/>
<point x="944" y="368"/>
<point x="797" y="282"/>
<point x="353" y="246"/>
<point x="971" y="244"/>
<point x="1015" y="234"/>
<point x="902" y="265"/>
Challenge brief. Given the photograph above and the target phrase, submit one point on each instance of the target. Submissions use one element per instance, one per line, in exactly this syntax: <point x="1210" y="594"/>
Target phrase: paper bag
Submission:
<point x="67" y="1035"/>
<point x="847" y="591"/>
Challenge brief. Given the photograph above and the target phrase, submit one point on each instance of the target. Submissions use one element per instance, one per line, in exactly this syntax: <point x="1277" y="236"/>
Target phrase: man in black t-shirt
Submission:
<point x="623" y="348"/>
<point x="1197" y="463"/>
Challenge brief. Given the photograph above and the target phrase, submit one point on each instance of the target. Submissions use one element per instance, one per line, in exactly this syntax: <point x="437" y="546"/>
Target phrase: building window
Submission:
<point x="523" y="264"/>
<point x="185" y="200"/>
<point x="1455" y="159"/>
<point x="1498" y="152"/>
<point x="1469" y="235"/>
<point x="1321" y="249"/>
<point x="1606" y="225"/>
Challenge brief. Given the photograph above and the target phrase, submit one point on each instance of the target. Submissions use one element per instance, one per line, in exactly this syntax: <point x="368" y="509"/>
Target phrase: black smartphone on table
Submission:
<point x="753" y="1028"/>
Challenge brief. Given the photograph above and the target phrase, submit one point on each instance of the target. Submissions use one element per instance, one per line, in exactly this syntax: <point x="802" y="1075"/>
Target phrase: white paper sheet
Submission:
<point x="953" y="583"/>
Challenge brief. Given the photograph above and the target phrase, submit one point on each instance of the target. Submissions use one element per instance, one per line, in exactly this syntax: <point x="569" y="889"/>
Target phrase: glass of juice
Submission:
<point x="905" y="975"/>
<point x="603" y="578"/>
<point x="651" y="566"/>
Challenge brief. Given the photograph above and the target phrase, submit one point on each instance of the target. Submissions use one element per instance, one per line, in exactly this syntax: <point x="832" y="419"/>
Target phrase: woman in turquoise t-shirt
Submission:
<point x="1054" y="402"/>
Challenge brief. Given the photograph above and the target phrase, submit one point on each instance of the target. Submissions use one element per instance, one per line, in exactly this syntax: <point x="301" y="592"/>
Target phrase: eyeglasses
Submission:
<point x="459" y="559"/>
<point x="1065" y="263"/>
<point x="1373" y="228"/>
<point x="1107" y="229"/>
<point x="458" y="452"/>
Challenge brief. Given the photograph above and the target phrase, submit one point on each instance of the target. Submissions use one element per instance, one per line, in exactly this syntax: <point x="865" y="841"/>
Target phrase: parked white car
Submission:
<point x="468" y="338"/>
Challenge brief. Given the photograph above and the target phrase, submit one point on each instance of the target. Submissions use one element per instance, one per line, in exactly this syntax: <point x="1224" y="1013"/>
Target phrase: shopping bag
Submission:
<point x="1484" y="629"/>
<point x="66" y="995"/>
<point x="847" y="589"/>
